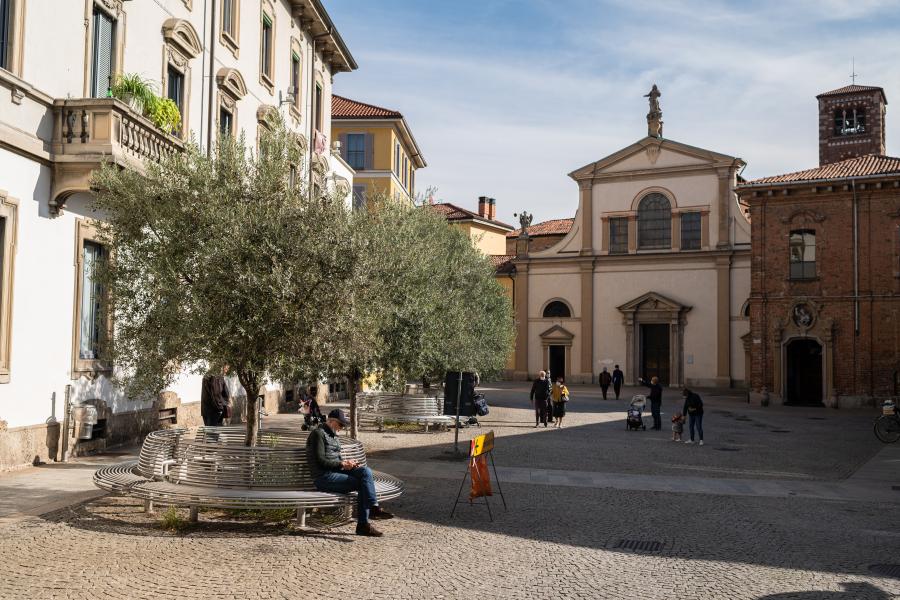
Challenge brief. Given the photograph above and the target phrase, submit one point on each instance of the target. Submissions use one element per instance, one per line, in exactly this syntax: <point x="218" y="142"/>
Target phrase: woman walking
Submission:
<point x="559" y="395"/>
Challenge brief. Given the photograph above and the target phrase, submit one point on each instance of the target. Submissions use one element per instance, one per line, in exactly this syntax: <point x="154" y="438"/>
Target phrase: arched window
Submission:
<point x="654" y="222"/>
<point x="557" y="310"/>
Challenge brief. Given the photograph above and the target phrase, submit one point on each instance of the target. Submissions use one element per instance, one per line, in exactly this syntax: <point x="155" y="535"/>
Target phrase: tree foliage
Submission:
<point x="220" y="260"/>
<point x="225" y="260"/>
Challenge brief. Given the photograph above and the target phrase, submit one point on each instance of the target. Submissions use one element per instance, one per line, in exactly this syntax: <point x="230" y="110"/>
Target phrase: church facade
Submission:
<point x="653" y="275"/>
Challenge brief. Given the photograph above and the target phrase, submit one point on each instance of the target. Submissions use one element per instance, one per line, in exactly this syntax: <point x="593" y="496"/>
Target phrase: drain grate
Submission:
<point x="886" y="570"/>
<point x="639" y="545"/>
<point x="727" y="449"/>
<point x="781" y="431"/>
<point x="816" y="418"/>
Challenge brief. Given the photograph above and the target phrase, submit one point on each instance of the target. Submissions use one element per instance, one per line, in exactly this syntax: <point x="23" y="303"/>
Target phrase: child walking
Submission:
<point x="560" y="395"/>
<point x="677" y="427"/>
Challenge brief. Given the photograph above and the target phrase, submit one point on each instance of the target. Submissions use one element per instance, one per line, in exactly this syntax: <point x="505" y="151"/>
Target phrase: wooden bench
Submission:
<point x="212" y="468"/>
<point x="375" y="408"/>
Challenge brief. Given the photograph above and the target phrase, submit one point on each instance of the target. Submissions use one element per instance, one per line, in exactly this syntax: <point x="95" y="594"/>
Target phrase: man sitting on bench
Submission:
<point x="333" y="474"/>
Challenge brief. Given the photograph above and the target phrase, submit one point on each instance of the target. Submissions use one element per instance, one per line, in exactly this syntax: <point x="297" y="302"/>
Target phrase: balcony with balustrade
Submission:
<point x="88" y="132"/>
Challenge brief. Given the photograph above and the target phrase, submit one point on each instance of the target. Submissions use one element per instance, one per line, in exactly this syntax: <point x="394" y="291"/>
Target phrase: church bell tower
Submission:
<point x="851" y="123"/>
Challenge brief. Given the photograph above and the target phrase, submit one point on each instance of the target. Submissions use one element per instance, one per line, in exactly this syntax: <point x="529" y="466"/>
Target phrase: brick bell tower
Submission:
<point x="851" y="123"/>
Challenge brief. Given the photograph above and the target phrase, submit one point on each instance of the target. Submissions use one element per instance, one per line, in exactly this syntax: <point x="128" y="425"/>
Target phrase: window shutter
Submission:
<point x="103" y="54"/>
<point x="342" y="138"/>
<point x="370" y="152"/>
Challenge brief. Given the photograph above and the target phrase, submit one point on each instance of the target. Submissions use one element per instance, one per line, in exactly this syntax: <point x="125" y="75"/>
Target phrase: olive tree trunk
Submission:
<point x="250" y="381"/>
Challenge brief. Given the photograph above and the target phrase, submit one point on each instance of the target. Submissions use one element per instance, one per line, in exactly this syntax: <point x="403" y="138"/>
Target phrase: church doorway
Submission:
<point x="804" y="373"/>
<point x="655" y="352"/>
<point x="557" y="361"/>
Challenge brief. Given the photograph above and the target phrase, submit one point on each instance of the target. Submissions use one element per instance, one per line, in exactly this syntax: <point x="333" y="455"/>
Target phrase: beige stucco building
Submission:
<point x="226" y="64"/>
<point x="653" y="275"/>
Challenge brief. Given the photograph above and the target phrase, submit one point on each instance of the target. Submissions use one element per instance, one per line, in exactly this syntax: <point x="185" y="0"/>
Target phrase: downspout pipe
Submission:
<point x="212" y="78"/>
<point x="855" y="259"/>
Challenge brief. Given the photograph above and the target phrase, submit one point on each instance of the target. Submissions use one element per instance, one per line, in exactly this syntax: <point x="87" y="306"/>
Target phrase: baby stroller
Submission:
<point x="312" y="416"/>
<point x="633" y="418"/>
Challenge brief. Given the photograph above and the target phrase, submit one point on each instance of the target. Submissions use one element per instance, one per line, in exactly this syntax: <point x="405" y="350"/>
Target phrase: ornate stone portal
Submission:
<point x="802" y="322"/>
<point x="654" y="309"/>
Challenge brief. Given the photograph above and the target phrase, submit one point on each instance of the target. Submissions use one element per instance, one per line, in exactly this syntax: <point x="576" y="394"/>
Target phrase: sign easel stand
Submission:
<point x="481" y="445"/>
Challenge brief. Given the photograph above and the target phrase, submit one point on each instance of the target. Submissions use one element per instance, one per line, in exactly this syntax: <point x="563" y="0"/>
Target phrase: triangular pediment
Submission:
<point x="654" y="301"/>
<point x="557" y="332"/>
<point x="652" y="153"/>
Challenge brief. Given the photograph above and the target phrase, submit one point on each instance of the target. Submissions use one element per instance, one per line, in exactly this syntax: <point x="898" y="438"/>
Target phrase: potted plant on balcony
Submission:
<point x="165" y="114"/>
<point x="133" y="90"/>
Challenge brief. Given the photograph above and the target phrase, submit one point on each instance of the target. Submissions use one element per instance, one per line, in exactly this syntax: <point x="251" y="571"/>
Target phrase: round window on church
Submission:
<point x="557" y="310"/>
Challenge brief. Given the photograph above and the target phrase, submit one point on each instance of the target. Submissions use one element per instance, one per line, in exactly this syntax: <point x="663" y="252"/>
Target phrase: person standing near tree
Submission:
<point x="605" y="380"/>
<point x="214" y="399"/>
<point x="655" y="400"/>
<point x="540" y="395"/>
<point x="618" y="378"/>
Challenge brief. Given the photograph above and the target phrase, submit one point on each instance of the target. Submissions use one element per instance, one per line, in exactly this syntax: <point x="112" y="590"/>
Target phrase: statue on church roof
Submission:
<point x="524" y="222"/>
<point x="654" y="117"/>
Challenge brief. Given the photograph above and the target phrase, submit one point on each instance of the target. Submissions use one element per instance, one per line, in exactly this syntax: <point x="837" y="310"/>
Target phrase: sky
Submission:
<point x="506" y="97"/>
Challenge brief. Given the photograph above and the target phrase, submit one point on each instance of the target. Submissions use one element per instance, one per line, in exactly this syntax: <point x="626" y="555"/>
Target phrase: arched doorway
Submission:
<point x="803" y="369"/>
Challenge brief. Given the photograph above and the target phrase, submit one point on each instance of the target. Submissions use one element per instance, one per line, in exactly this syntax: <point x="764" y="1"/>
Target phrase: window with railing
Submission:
<point x="618" y="235"/>
<point x="803" y="254"/>
<point x="356" y="150"/>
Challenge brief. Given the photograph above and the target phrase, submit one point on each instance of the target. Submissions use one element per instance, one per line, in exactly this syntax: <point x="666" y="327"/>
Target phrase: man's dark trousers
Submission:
<point x="355" y="480"/>
<point x="617" y="388"/>
<point x="657" y="420"/>
<point x="214" y="420"/>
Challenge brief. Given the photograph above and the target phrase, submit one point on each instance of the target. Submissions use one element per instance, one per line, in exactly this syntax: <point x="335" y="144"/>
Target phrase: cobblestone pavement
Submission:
<point x="554" y="541"/>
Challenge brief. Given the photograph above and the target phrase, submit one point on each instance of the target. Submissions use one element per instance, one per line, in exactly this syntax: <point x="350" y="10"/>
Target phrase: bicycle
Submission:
<point x="887" y="426"/>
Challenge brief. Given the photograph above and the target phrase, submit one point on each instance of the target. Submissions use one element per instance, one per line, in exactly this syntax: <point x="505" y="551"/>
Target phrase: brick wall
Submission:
<point x="833" y="147"/>
<point x="864" y="361"/>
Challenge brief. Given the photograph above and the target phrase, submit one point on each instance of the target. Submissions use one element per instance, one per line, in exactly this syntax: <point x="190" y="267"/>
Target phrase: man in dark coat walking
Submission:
<point x="540" y="394"/>
<point x="605" y="380"/>
<point x="214" y="399"/>
<point x="655" y="400"/>
<point x="618" y="378"/>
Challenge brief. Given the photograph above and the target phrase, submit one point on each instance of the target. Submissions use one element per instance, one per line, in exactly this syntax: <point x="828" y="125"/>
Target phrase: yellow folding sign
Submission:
<point x="482" y="444"/>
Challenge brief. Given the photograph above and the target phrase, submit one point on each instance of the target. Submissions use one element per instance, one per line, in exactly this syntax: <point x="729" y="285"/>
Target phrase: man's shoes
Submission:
<point x="689" y="441"/>
<point x="368" y="530"/>
<point x="380" y="514"/>
<point x="701" y="442"/>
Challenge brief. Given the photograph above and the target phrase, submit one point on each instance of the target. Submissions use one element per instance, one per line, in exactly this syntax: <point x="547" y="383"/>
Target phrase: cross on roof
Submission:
<point x="853" y="70"/>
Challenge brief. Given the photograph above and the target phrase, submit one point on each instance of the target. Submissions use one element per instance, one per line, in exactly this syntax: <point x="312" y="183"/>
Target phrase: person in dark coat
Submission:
<point x="540" y="395"/>
<point x="618" y="378"/>
<point x="332" y="473"/>
<point x="214" y="398"/>
<point x="693" y="408"/>
<point x="655" y="400"/>
<point x="605" y="380"/>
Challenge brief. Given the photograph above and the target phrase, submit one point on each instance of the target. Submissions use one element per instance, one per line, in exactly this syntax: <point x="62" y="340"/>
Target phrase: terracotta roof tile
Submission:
<point x="849" y="89"/>
<point x="451" y="212"/>
<point x="552" y="227"/>
<point x="345" y="108"/>
<point x="502" y="262"/>
<point x="861" y="166"/>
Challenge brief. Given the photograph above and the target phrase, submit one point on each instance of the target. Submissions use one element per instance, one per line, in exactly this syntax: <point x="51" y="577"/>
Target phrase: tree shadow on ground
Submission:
<point x="852" y="591"/>
<point x="125" y="516"/>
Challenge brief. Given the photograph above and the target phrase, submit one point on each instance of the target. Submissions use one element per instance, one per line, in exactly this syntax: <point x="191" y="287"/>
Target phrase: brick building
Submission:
<point x="541" y="235"/>
<point x="825" y="278"/>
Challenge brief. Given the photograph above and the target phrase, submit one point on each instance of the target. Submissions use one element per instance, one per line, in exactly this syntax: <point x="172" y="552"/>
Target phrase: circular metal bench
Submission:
<point x="211" y="467"/>
<point x="378" y="407"/>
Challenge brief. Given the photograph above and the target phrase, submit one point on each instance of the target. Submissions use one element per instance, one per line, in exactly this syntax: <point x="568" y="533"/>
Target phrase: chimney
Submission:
<point x="483" y="207"/>
<point x="492" y="209"/>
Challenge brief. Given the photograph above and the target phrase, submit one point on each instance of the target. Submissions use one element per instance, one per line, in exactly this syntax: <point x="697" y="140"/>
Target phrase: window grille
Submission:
<point x="690" y="231"/>
<point x="557" y="310"/>
<point x="654" y="222"/>
<point x="92" y="314"/>
<point x="618" y="235"/>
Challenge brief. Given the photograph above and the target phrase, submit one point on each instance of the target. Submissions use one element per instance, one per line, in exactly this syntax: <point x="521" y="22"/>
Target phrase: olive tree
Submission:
<point x="222" y="260"/>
